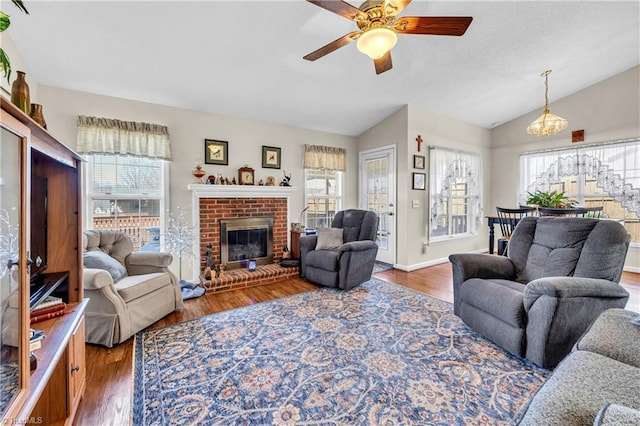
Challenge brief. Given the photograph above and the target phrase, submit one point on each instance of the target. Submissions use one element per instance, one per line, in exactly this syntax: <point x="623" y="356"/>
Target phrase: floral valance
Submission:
<point x="325" y="158"/>
<point x="613" y="167"/>
<point x="111" y="136"/>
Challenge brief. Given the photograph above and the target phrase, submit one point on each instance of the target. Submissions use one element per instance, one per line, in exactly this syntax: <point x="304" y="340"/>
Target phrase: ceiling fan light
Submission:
<point x="547" y="124"/>
<point x="377" y="41"/>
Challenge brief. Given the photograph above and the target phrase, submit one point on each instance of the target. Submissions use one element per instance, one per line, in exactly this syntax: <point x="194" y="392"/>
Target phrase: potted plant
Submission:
<point x="553" y="199"/>
<point x="4" y="24"/>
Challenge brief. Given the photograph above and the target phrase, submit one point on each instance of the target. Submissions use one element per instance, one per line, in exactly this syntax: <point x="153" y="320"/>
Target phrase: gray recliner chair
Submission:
<point x="348" y="261"/>
<point x="559" y="275"/>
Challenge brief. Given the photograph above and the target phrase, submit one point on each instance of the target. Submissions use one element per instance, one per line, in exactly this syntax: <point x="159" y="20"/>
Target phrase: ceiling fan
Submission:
<point x="379" y="23"/>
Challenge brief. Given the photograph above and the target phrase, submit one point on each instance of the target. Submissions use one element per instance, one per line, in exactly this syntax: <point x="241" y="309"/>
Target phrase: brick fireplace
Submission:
<point x="212" y="203"/>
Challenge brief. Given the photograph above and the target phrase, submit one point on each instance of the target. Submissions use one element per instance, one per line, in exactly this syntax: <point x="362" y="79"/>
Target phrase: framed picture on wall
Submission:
<point x="418" y="161"/>
<point x="216" y="152"/>
<point x="270" y="157"/>
<point x="419" y="181"/>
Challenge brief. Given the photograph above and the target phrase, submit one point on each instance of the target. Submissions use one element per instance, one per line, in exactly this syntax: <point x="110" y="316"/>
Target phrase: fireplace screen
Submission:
<point x="246" y="238"/>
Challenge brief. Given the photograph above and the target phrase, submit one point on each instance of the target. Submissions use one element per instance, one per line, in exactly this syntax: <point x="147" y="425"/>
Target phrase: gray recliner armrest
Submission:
<point x="357" y="246"/>
<point x="566" y="287"/>
<point x="559" y="311"/>
<point x="474" y="265"/>
<point x="307" y="243"/>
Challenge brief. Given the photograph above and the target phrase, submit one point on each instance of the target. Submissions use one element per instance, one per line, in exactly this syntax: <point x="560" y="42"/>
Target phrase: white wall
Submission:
<point x="17" y="64"/>
<point x="188" y="129"/>
<point x="401" y="129"/>
<point x="608" y="110"/>
<point x="439" y="130"/>
<point x="393" y="131"/>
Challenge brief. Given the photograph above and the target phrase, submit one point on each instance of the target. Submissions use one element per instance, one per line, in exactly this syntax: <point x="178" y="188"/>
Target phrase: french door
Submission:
<point x="377" y="193"/>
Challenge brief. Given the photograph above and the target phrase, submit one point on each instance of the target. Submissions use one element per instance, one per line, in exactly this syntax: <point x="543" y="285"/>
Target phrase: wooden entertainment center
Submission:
<point x="50" y="393"/>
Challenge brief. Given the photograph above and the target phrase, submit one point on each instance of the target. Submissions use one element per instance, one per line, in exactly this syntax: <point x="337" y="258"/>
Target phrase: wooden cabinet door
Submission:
<point x="77" y="370"/>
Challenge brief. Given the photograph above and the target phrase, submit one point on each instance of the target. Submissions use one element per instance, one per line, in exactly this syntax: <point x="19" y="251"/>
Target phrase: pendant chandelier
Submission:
<point x="547" y="124"/>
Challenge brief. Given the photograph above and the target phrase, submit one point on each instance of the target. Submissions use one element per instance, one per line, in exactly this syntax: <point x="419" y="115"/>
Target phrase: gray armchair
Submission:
<point x="349" y="261"/>
<point x="559" y="275"/>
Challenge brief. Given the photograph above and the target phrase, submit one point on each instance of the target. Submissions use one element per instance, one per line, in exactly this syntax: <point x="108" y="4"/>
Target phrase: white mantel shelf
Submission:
<point x="240" y="191"/>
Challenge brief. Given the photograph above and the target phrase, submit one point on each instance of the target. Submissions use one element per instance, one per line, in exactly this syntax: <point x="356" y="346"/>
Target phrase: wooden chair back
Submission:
<point x="509" y="218"/>
<point x="573" y="212"/>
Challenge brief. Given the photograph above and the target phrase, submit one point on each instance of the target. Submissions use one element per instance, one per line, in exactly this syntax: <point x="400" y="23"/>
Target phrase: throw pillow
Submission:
<point x="97" y="259"/>
<point x="329" y="238"/>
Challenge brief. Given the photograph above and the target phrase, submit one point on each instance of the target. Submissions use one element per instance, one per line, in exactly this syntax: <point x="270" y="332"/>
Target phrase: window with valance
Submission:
<point x="606" y="175"/>
<point x="126" y="177"/>
<point x="324" y="168"/>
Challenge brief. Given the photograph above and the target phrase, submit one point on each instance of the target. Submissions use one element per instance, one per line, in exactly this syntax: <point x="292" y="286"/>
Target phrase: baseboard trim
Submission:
<point x="634" y="269"/>
<point x="414" y="267"/>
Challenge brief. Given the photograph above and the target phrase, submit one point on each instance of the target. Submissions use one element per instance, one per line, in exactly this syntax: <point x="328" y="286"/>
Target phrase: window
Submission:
<point x="455" y="193"/>
<point x="126" y="177"/>
<point x="324" y="167"/>
<point x="127" y="193"/>
<point x="606" y="175"/>
<point x="323" y="196"/>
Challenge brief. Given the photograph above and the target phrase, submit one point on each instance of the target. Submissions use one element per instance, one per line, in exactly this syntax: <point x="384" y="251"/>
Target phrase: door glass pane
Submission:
<point x="9" y="275"/>
<point x="378" y="196"/>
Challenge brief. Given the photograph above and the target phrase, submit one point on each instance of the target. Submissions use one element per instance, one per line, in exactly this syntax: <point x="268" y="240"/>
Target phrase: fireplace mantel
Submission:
<point x="240" y="191"/>
<point x="201" y="192"/>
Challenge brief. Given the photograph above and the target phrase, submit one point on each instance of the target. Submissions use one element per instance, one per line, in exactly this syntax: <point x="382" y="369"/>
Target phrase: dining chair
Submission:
<point x="594" y="212"/>
<point x="570" y="212"/>
<point x="508" y="219"/>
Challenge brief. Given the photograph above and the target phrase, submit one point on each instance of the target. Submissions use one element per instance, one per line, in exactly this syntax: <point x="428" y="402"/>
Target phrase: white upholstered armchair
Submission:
<point x="127" y="290"/>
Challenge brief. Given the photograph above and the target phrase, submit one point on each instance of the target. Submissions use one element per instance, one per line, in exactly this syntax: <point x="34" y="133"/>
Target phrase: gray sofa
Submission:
<point x="559" y="274"/>
<point x="341" y="256"/>
<point x="598" y="383"/>
<point x="128" y="291"/>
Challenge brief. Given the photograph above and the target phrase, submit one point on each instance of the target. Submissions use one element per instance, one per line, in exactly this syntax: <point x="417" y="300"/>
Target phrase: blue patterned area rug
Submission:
<point x="378" y="354"/>
<point x="381" y="267"/>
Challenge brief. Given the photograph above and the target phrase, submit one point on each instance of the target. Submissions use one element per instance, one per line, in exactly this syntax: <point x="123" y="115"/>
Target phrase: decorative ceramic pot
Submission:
<point x="36" y="114"/>
<point x="198" y="173"/>
<point x="20" y="93"/>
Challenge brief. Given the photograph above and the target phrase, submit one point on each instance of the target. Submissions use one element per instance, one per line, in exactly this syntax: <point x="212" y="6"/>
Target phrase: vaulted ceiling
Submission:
<point x="244" y="58"/>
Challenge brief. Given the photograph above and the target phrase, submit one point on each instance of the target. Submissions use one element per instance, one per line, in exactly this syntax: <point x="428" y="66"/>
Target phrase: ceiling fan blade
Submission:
<point x="341" y="8"/>
<point x="383" y="64"/>
<point x="434" y="25"/>
<point x="395" y="7"/>
<point x="334" y="45"/>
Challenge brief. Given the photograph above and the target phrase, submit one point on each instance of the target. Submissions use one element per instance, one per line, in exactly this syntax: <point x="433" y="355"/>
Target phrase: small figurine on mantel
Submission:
<point x="261" y="183"/>
<point x="287" y="179"/>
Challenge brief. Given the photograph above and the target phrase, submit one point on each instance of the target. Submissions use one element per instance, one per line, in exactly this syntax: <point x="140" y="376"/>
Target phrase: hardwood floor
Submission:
<point x="107" y="400"/>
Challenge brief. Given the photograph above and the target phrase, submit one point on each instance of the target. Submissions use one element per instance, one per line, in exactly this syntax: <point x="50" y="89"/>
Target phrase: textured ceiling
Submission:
<point x="244" y="59"/>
